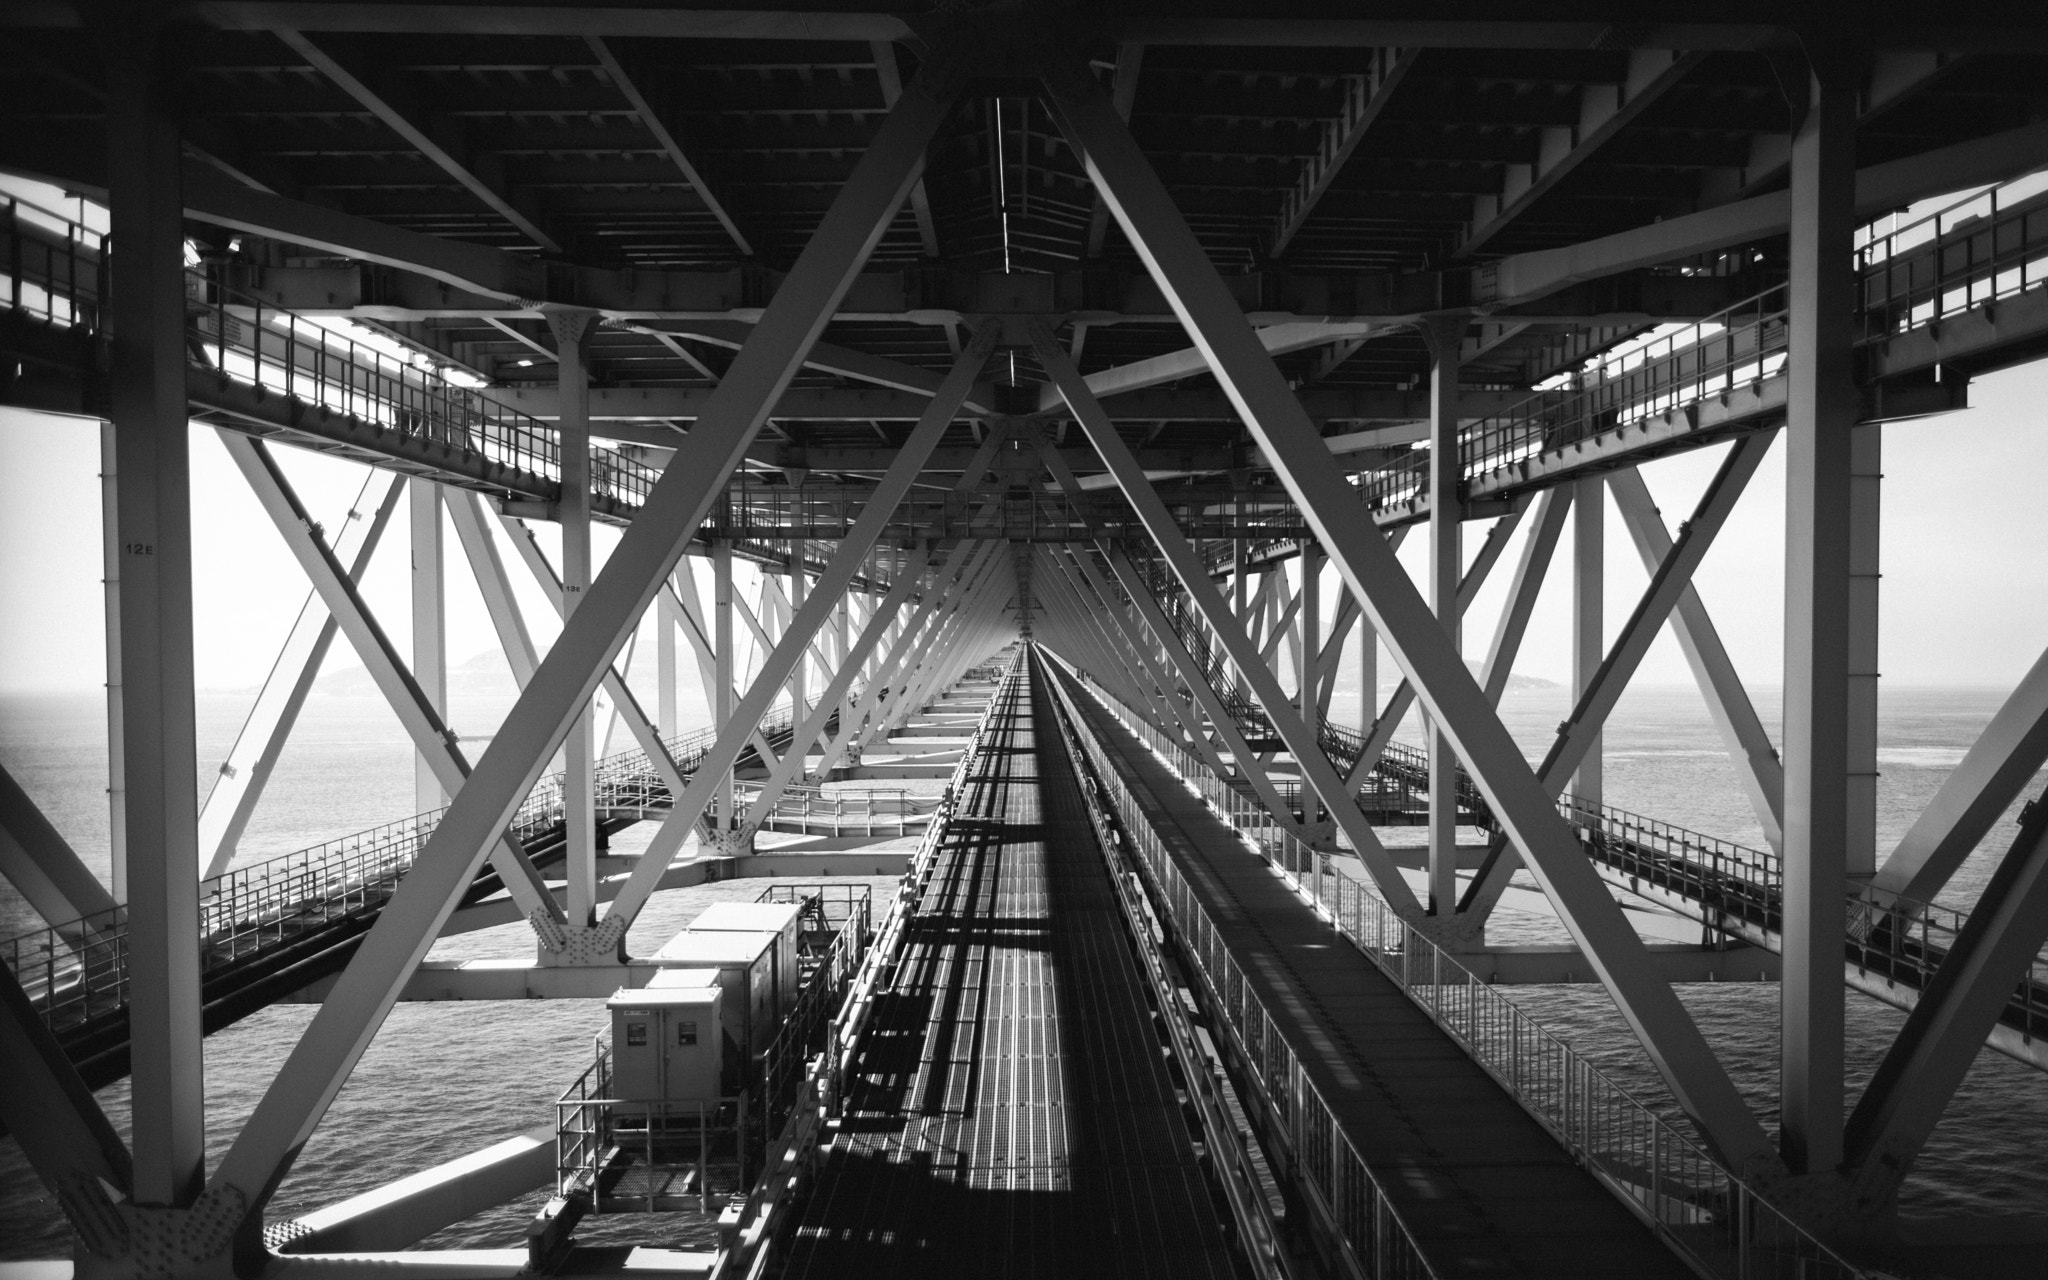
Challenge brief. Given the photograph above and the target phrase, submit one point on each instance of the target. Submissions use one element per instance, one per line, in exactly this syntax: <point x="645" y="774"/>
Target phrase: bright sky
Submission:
<point x="1962" y="595"/>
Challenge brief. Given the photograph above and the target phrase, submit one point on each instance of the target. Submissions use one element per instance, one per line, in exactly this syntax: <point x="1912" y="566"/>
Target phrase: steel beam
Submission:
<point x="246" y="771"/>
<point x="1866" y="482"/>
<point x="962" y="562"/>
<point x="625" y="705"/>
<point x="1365" y="98"/>
<point x="111" y="556"/>
<point x="487" y="567"/>
<point x="1589" y="618"/>
<point x="41" y="865"/>
<point x="1378" y="732"/>
<point x="62" y="1132"/>
<point x="1144" y="615"/>
<point x="430" y="735"/>
<point x="658" y="128"/>
<point x="1317" y="772"/>
<point x="1959" y="1006"/>
<point x="572" y="331"/>
<point x="1749" y="746"/>
<point x="1604" y="111"/>
<point x="342" y="1029"/>
<point x="790" y="651"/>
<point x="429" y="627"/>
<point x="809" y="728"/>
<point x="1249" y="377"/>
<point x="1309" y="651"/>
<point x="1445" y="335"/>
<point x="1579" y="736"/>
<point x="2005" y="757"/>
<point x="1820" y="423"/>
<point x="441" y="156"/>
<point x="146" y="381"/>
<point x="1551" y="509"/>
<point x="890" y="77"/>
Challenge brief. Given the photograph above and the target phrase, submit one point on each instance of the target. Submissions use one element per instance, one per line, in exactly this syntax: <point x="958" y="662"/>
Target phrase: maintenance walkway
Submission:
<point x="272" y="928"/>
<point x="1483" y="1189"/>
<point x="1011" y="1113"/>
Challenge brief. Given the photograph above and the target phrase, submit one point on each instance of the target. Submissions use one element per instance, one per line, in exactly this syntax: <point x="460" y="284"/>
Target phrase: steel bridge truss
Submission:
<point x="1207" y="595"/>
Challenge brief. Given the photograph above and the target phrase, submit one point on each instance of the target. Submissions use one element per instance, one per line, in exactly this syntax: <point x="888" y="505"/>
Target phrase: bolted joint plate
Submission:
<point x="136" y="1242"/>
<point x="729" y="842"/>
<point x="570" y="946"/>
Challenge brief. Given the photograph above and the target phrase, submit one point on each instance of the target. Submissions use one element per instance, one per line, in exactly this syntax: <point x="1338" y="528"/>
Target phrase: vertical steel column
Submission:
<point x="1308" y="651"/>
<point x="1821" y="418"/>
<point x="799" y="682"/>
<point x="1866" y="483"/>
<point x="153" y="502"/>
<point x="111" y="557"/>
<point x="666" y="622"/>
<point x="1446" y="334"/>
<point x="1589" y="620"/>
<point x="1368" y="670"/>
<point x="1237" y="569"/>
<point x="429" y="627"/>
<point x="721" y="644"/>
<point x="572" y="331"/>
<point x="676" y="509"/>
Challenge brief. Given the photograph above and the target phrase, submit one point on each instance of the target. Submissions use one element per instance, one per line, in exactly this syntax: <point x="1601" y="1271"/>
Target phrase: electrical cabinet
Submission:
<point x="667" y="1042"/>
<point x="783" y="919"/>
<point x="746" y="968"/>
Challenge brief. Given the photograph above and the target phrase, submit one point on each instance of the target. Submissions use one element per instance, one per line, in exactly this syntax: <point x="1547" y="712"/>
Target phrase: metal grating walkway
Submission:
<point x="1011" y="1114"/>
<point x="1485" y="1190"/>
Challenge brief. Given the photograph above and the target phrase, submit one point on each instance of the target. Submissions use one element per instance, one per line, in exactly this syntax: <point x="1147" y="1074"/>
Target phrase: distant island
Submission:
<point x="484" y="673"/>
<point x="1517" y="682"/>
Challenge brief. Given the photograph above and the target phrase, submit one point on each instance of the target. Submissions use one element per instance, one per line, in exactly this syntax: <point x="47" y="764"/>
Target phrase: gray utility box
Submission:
<point x="666" y="1041"/>
<point x="745" y="964"/>
<point x="784" y="919"/>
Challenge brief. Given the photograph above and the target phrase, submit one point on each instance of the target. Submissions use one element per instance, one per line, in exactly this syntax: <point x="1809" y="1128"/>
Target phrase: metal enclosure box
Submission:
<point x="666" y="1040"/>
<point x="784" y="919"/>
<point x="745" y="963"/>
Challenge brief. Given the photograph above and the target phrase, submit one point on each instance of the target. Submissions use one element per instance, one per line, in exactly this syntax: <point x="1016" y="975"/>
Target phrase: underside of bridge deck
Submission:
<point x="907" y="351"/>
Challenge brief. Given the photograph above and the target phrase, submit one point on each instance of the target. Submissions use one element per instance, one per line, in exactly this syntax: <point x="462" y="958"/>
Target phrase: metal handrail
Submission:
<point x="1697" y="1206"/>
<point x="1980" y="248"/>
<point x="1330" y="1167"/>
<point x="76" y="970"/>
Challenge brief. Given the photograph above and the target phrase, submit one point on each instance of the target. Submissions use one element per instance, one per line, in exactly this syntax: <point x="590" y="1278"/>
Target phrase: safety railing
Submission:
<point x="1725" y="885"/>
<point x="1701" y="1209"/>
<point x="1736" y="347"/>
<point x="56" y="266"/>
<point x="597" y="1136"/>
<point x="804" y="1030"/>
<point x="1985" y="247"/>
<point x="249" y="341"/>
<point x="77" y="970"/>
<point x="1328" y="1165"/>
<point x="1237" y="1164"/>
<point x="1402" y="768"/>
<point x="57" y="269"/>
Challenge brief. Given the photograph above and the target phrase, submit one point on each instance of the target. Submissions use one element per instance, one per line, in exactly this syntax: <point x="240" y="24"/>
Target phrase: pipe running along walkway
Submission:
<point x="1481" y="1188"/>
<point x="1010" y="1112"/>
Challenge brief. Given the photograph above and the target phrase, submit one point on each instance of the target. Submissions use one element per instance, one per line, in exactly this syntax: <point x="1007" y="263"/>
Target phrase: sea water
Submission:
<point x="441" y="1080"/>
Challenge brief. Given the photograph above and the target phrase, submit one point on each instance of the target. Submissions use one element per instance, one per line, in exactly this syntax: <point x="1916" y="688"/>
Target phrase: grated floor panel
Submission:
<point x="1011" y="1114"/>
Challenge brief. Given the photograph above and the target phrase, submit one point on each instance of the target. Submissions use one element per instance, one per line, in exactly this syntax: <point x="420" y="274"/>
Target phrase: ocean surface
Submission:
<point x="444" y="1079"/>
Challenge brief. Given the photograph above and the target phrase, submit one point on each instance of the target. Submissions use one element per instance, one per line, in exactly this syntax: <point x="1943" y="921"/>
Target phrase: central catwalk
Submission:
<point x="1011" y="1113"/>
